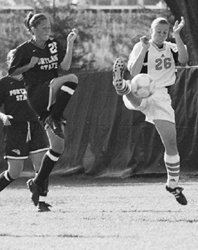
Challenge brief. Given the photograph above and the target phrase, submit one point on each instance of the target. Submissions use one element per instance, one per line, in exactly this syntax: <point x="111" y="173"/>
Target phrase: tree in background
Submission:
<point x="189" y="10"/>
<point x="103" y="36"/>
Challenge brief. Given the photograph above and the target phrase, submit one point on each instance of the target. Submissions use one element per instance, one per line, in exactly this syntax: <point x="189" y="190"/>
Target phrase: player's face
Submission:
<point x="43" y="30"/>
<point x="159" y="33"/>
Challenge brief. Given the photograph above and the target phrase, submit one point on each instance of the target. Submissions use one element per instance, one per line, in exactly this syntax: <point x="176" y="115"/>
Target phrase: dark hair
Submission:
<point x="32" y="20"/>
<point x="10" y="56"/>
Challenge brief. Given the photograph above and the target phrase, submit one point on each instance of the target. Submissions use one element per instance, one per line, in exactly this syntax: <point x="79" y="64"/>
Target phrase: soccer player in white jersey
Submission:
<point x="157" y="57"/>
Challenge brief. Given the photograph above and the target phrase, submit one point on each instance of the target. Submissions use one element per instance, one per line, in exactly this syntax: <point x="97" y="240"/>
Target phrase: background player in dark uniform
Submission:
<point x="39" y="60"/>
<point x="23" y="134"/>
<point x="157" y="58"/>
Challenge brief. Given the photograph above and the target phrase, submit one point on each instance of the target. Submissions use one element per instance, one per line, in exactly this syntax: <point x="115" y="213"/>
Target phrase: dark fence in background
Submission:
<point x="103" y="138"/>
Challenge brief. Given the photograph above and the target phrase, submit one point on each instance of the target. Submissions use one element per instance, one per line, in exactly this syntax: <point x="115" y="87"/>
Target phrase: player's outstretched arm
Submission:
<point x="182" y="50"/>
<point x="66" y="63"/>
<point x="136" y="58"/>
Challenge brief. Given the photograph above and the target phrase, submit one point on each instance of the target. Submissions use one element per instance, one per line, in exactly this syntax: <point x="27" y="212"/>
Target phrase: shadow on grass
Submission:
<point x="81" y="179"/>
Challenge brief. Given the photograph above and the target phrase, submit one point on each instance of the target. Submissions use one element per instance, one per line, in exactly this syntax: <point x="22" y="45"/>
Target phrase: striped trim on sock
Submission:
<point x="67" y="89"/>
<point x="54" y="156"/>
<point x="172" y="163"/>
<point x="126" y="88"/>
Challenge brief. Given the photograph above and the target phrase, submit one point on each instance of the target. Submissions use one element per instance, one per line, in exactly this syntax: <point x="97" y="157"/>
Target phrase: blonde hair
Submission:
<point x="159" y="20"/>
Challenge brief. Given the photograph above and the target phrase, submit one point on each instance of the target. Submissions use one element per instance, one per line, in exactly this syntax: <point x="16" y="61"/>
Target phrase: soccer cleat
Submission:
<point x="35" y="190"/>
<point x="118" y="71"/>
<point x="122" y="87"/>
<point x="177" y="192"/>
<point x="55" y="126"/>
<point x="43" y="206"/>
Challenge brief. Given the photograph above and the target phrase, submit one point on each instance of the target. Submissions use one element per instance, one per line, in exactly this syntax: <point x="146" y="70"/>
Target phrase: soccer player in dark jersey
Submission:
<point x="23" y="134"/>
<point x="39" y="60"/>
<point x="158" y="58"/>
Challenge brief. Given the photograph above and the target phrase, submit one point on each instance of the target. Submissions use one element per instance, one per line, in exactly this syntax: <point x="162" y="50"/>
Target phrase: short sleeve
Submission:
<point x="174" y="51"/>
<point x="20" y="58"/>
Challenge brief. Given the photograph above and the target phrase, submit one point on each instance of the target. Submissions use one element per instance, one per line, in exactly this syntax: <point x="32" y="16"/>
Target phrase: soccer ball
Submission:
<point x="142" y="86"/>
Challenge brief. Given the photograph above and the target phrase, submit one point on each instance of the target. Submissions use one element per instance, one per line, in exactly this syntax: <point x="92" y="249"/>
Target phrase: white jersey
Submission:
<point x="158" y="63"/>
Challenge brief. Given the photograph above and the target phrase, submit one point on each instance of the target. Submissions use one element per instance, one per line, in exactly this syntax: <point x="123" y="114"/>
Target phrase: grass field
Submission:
<point x="90" y="214"/>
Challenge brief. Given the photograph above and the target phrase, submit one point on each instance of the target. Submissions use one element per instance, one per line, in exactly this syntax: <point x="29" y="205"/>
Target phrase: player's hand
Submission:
<point x="6" y="119"/>
<point x="72" y="36"/>
<point x="145" y="42"/>
<point x="178" y="26"/>
<point x="34" y="60"/>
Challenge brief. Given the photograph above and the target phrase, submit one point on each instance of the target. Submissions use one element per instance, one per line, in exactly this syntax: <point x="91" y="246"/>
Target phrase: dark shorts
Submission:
<point x="38" y="98"/>
<point x="24" y="138"/>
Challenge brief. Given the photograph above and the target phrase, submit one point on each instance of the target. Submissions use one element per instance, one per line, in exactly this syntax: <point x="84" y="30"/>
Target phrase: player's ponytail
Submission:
<point x="27" y="20"/>
<point x="10" y="56"/>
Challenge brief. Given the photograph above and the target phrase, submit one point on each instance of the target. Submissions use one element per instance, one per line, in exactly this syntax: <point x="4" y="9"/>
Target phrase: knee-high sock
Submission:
<point x="5" y="180"/>
<point x="62" y="99"/>
<point x="44" y="187"/>
<point x="172" y="163"/>
<point x="48" y="163"/>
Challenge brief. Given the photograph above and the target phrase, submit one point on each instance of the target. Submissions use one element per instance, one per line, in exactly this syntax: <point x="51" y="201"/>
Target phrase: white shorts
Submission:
<point x="156" y="107"/>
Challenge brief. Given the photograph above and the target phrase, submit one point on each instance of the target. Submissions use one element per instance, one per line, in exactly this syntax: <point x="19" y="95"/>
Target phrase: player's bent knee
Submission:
<point x="14" y="174"/>
<point x="15" y="167"/>
<point x="58" y="146"/>
<point x="74" y="78"/>
<point x="58" y="149"/>
<point x="70" y="78"/>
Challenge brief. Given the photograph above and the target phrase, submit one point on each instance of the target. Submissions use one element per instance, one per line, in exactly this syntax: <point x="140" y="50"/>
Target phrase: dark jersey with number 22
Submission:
<point x="50" y="56"/>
